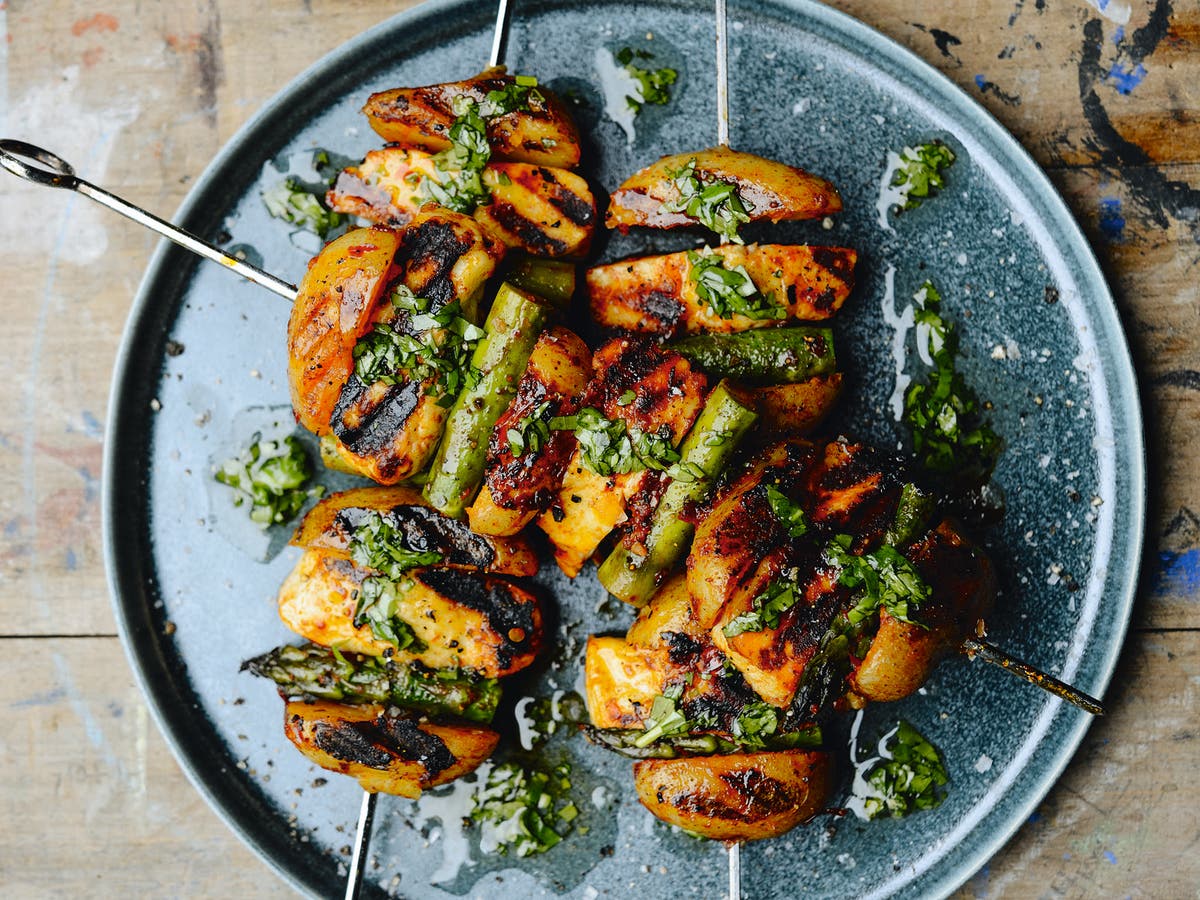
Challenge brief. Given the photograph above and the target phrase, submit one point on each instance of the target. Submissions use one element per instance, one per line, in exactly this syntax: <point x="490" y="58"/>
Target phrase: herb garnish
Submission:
<point x="293" y="202"/>
<point x="791" y="514"/>
<point x="909" y="780"/>
<point x="948" y="432"/>
<point x="652" y="85"/>
<point x="665" y="717"/>
<point x="918" y="174"/>
<point x="525" y="810"/>
<point x="457" y="182"/>
<point x="715" y="204"/>
<point x="767" y="608"/>
<point x="379" y="600"/>
<point x="377" y="544"/>
<point x="883" y="577"/>
<point x="531" y="433"/>
<point x="420" y="346"/>
<point x="270" y="475"/>
<point x="729" y="292"/>
<point x="611" y="447"/>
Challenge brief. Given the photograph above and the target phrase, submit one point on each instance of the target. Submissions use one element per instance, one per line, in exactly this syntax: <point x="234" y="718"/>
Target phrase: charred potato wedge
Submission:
<point x="334" y="308"/>
<point x="622" y="680"/>
<point x="657" y="294"/>
<point x="902" y="656"/>
<point x="668" y="614"/>
<point x="544" y="211"/>
<point x="461" y="620"/>
<point x="797" y="409"/>
<point x="770" y="190"/>
<point x="421" y="117"/>
<point x="385" y="752"/>
<point x="330" y="524"/>
<point x="517" y="487"/>
<point x="666" y="391"/>
<point x="738" y="797"/>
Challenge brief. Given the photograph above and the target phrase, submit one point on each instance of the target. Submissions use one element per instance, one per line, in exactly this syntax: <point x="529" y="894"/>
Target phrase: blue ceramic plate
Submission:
<point x="203" y="366"/>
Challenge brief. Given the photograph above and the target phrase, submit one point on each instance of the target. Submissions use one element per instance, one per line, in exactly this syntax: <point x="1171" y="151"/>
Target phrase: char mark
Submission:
<point x="432" y="249"/>
<point x="426" y="530"/>
<point x="377" y="430"/>
<point x="493" y="597"/>
<point x="377" y="744"/>
<point x="526" y="230"/>
<point x="574" y="207"/>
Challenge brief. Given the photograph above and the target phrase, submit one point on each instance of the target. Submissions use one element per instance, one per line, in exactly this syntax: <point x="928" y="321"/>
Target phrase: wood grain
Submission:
<point x="141" y="95"/>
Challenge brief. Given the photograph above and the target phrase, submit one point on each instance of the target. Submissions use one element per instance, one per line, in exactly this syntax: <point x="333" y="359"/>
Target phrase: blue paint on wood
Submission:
<point x="1178" y="573"/>
<point x="1112" y="221"/>
<point x="1126" y="80"/>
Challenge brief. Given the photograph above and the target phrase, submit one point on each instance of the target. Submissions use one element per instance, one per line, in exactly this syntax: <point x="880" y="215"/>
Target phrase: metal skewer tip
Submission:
<point x="722" y="75"/>
<point x="500" y="36"/>
<point x="977" y="649"/>
<point x="362" y="840"/>
<point x="735" y="870"/>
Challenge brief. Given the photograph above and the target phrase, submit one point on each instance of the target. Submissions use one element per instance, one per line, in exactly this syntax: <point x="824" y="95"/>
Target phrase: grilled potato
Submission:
<point x="657" y="294"/>
<point x="421" y="117"/>
<point x="330" y="524"/>
<point x="738" y="797"/>
<point x="461" y="620"/>
<point x="667" y="616"/>
<point x="665" y="391"/>
<point x="545" y="211"/>
<point x="388" y="753"/>
<point x="517" y="488"/>
<point x="770" y="190"/>
<point x="389" y="432"/>
<point x="902" y="655"/>
<point x="797" y="409"/>
<point x="333" y="309"/>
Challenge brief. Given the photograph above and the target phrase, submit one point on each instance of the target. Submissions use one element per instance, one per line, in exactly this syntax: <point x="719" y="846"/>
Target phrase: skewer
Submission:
<point x="734" y="847"/>
<point x="40" y="166"/>
<point x="977" y="649"/>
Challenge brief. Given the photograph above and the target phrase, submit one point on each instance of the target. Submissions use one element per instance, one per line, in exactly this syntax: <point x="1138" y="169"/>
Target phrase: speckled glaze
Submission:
<point x="193" y="585"/>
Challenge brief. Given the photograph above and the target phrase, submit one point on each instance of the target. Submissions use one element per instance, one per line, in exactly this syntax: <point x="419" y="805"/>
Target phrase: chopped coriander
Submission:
<point x="755" y="723"/>
<point x="909" y="780"/>
<point x="610" y="447"/>
<point x="729" y="292"/>
<point x="790" y="514"/>
<point x="883" y="577"/>
<point x="665" y="719"/>
<point x="293" y="202"/>
<point x="420" y="345"/>
<point x="626" y="398"/>
<point x="767" y="608"/>
<point x="270" y="475"/>
<point x="715" y="204"/>
<point x="527" y="811"/>
<point x="379" y="545"/>
<point x="918" y="174"/>
<point x="650" y="85"/>
<point x="949" y="435"/>
<point x="378" y="605"/>
<point x="531" y="433"/>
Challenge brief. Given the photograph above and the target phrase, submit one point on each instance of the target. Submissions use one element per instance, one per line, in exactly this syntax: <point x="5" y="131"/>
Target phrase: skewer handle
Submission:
<point x="362" y="840"/>
<point x="997" y="657"/>
<point x="42" y="167"/>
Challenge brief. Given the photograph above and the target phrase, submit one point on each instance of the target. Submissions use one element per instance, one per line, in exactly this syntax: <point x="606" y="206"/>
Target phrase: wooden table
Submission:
<point x="140" y="97"/>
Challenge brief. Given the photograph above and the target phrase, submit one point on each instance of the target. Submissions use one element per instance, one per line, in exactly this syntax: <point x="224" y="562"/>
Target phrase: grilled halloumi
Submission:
<point x="658" y="294"/>
<point x="542" y="134"/>
<point x="543" y="210"/>
<point x="518" y="486"/>
<point x="460" y="620"/>
<point x="330" y="526"/>
<point x="647" y="388"/>
<point x="389" y="751"/>
<point x="770" y="190"/>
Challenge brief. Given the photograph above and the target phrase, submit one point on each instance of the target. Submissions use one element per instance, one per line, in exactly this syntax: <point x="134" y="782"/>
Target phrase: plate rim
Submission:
<point x="942" y="876"/>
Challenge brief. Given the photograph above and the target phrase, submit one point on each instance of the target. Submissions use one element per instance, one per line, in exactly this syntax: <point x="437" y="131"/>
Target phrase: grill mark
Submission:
<point x="377" y="744"/>
<point x="526" y="230"/>
<point x="350" y="743"/>
<point x="380" y="425"/>
<point x="424" y="529"/>
<point x="570" y="204"/>
<point x="493" y="597"/>
<point x="835" y="259"/>
<point x="663" y="307"/>
<point x="436" y="246"/>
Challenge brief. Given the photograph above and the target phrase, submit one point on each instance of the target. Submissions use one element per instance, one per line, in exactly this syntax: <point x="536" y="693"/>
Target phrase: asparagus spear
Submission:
<point x="706" y="450"/>
<point x="315" y="671"/>
<point x="624" y="742"/>
<point x="764" y="356"/>
<point x="513" y="326"/>
<point x="552" y="279"/>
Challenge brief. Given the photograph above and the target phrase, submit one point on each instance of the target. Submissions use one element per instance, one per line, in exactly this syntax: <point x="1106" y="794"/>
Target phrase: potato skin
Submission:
<point x="668" y="612"/>
<point x="386" y="753"/>
<point x="776" y="192"/>
<point x="467" y="621"/>
<point x="334" y="307"/>
<point x="797" y="409"/>
<point x="738" y="797"/>
<point x="422" y="117"/>
<point x="330" y="524"/>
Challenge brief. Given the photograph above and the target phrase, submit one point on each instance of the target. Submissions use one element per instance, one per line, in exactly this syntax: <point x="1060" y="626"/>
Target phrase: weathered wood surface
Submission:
<point x="141" y="95"/>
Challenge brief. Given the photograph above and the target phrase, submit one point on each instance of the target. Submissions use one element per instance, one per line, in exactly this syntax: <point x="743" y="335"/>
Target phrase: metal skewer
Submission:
<point x="362" y="839"/>
<point x="977" y="649"/>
